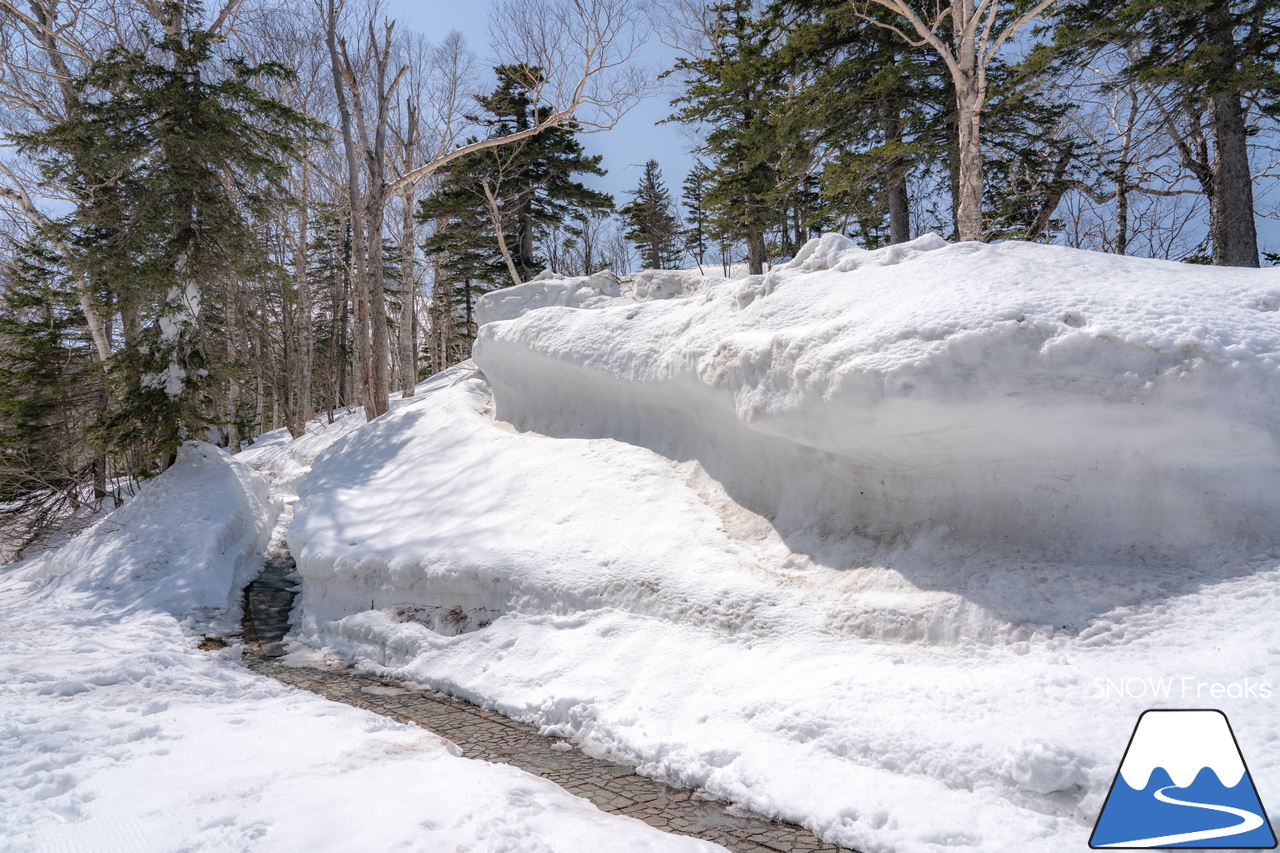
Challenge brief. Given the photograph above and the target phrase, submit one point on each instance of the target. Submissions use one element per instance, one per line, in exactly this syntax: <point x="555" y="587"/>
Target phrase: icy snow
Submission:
<point x="885" y="543"/>
<point x="116" y="733"/>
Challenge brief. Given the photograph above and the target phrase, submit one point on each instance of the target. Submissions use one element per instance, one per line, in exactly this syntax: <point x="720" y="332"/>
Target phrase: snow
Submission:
<point x="117" y="733"/>
<point x="1067" y="403"/>
<point x="893" y="544"/>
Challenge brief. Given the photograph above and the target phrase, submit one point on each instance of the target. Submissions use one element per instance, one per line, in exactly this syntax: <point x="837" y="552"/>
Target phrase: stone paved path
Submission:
<point x="489" y="736"/>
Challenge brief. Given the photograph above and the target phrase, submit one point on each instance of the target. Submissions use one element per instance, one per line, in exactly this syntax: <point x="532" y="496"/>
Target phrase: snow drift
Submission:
<point x="858" y="543"/>
<point x="1060" y="403"/>
<point x="117" y="734"/>
<point x="186" y="546"/>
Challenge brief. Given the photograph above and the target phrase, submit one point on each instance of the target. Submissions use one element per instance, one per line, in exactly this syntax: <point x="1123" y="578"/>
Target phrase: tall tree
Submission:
<point x="651" y="220"/>
<point x="698" y="225"/>
<point x="967" y="35"/>
<point x="1208" y="60"/>
<point x="172" y="154"/>
<point x="733" y="91"/>
<point x="532" y="184"/>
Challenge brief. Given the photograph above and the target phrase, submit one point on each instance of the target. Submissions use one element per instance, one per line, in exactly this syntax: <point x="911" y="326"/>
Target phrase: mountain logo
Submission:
<point x="1183" y="783"/>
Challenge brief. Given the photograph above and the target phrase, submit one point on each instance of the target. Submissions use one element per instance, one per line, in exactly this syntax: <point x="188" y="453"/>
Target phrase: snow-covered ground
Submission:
<point x="885" y="543"/>
<point x="118" y="734"/>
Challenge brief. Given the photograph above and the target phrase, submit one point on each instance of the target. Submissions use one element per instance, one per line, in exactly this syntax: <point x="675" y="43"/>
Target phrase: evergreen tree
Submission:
<point x="873" y="106"/>
<point x="533" y="183"/>
<point x="1210" y="60"/>
<point x="502" y="198"/>
<point x="878" y="110"/>
<point x="698" y="219"/>
<point x="736" y="92"/>
<point x="651" y="223"/>
<point x="173" y="154"/>
<point x="51" y="397"/>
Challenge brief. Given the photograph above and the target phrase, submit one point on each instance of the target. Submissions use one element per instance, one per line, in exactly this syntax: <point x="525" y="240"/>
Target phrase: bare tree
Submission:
<point x="432" y="117"/>
<point x="974" y="42"/>
<point x="577" y="58"/>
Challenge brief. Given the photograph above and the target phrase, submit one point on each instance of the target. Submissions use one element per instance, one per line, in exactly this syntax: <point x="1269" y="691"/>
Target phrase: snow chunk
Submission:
<point x="839" y="253"/>
<point x="186" y="545"/>
<point x="541" y="293"/>
<point x="594" y="291"/>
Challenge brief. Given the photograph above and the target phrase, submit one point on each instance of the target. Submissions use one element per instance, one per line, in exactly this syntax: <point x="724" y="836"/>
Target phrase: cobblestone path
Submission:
<point x="489" y="736"/>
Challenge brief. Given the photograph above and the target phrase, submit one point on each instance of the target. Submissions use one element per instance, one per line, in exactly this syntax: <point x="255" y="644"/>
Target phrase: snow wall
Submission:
<point x="1038" y="400"/>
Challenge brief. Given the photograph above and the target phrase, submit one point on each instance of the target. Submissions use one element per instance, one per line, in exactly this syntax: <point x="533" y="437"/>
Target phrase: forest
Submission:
<point x="219" y="221"/>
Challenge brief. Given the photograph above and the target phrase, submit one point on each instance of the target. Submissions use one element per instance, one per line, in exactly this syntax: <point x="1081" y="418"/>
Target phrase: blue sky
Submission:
<point x="636" y="139"/>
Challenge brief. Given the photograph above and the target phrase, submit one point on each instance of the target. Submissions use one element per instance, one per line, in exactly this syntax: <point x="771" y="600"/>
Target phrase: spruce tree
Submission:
<point x="698" y="226"/>
<point x="533" y="186"/>
<point x="173" y="154"/>
<point x="51" y="398"/>
<point x="736" y="91"/>
<point x="651" y="223"/>
<point x="533" y="182"/>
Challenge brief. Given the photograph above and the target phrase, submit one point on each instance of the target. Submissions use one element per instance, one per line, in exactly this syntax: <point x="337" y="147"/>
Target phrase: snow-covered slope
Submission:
<point x="865" y="543"/>
<point x="117" y="734"/>
<point x="185" y="546"/>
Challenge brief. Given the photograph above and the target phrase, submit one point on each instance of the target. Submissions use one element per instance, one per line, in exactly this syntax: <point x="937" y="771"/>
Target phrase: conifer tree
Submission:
<point x="698" y="219"/>
<point x="51" y="398"/>
<point x="536" y="177"/>
<point x="652" y="223"/>
<point x="735" y="91"/>
<point x="490" y="205"/>
<point x="173" y="153"/>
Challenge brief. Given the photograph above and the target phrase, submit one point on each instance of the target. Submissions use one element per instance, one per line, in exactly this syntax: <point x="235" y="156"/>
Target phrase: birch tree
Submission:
<point x="967" y="35"/>
<point x="578" y="60"/>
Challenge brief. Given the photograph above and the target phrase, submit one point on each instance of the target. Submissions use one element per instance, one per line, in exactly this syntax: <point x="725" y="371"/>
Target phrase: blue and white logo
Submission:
<point x="1183" y="783"/>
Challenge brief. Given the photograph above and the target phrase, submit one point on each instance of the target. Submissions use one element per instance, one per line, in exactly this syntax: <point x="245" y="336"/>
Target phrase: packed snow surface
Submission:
<point x="893" y="544"/>
<point x="118" y="734"/>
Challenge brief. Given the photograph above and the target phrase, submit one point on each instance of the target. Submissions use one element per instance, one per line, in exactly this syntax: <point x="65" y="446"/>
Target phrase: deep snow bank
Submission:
<point x="186" y="545"/>
<point x="1058" y="403"/>
<point x="584" y="586"/>
<point x="783" y="537"/>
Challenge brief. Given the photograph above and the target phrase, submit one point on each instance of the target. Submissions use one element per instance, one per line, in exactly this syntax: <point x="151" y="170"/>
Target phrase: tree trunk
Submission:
<point x="1233" y="230"/>
<point x="380" y="340"/>
<point x="1231" y="218"/>
<point x="495" y="218"/>
<point x="755" y="251"/>
<point x="952" y="130"/>
<point x="304" y="320"/>
<point x="233" y="388"/>
<point x="359" y="256"/>
<point x="1122" y="175"/>
<point x="408" y="296"/>
<point x="969" y="177"/>
<point x="896" y="186"/>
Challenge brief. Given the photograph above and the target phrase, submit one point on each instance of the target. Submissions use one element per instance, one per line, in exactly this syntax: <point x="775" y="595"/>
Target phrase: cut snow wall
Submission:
<point x="1057" y="403"/>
